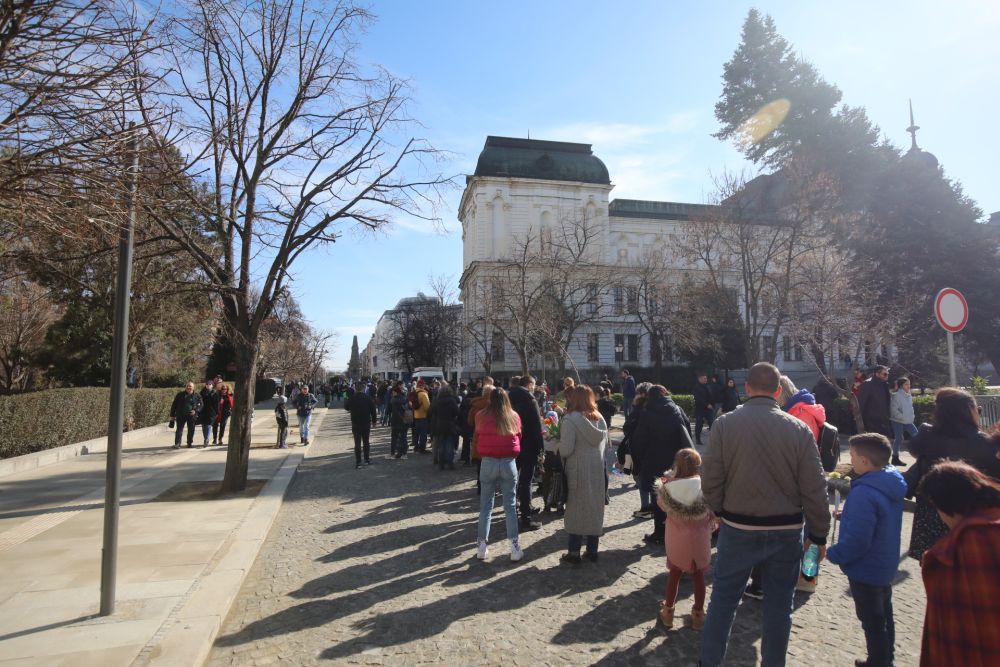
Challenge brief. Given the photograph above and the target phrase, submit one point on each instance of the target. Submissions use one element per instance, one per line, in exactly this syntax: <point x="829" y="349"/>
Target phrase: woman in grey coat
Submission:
<point x="583" y="437"/>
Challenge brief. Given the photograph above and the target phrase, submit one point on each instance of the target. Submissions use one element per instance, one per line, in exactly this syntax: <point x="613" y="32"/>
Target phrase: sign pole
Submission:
<point x="116" y="412"/>
<point x="951" y="359"/>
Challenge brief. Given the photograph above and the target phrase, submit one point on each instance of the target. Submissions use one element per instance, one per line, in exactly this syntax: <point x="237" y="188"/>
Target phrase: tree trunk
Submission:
<point x="240" y="432"/>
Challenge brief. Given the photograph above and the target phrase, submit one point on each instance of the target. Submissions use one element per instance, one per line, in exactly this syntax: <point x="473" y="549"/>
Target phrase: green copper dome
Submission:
<point x="551" y="160"/>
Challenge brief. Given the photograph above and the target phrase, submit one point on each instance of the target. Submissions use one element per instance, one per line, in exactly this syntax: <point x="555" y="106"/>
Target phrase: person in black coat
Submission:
<point x="463" y="424"/>
<point x="873" y="400"/>
<point x="704" y="406"/>
<point x="628" y="430"/>
<point x="662" y="431"/>
<point x="523" y="402"/>
<point x="730" y="396"/>
<point x="209" y="410"/>
<point x="184" y="411"/>
<point x="442" y="420"/>
<point x="363" y="415"/>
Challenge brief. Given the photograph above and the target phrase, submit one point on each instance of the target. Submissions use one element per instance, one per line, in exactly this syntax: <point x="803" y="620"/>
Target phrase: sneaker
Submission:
<point x="652" y="539"/>
<point x="516" y="553"/>
<point x="367" y="462"/>
<point x="755" y="592"/>
<point x="402" y="457"/>
<point x="177" y="446"/>
<point x="643" y="514"/>
<point x="570" y="559"/>
<point x="190" y="445"/>
<point x="357" y="466"/>
<point x="282" y="446"/>
<point x="205" y="444"/>
<point x="806" y="585"/>
<point x="483" y="551"/>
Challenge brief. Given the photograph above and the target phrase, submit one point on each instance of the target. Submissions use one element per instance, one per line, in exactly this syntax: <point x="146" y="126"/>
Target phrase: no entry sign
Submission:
<point x="951" y="310"/>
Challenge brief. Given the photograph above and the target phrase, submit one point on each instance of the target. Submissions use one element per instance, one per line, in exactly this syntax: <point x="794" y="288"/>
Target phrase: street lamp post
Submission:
<point x="619" y="355"/>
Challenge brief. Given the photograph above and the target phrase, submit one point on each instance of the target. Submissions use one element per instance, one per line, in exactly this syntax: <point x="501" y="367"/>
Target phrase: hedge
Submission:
<point x="684" y="401"/>
<point x="45" y="419"/>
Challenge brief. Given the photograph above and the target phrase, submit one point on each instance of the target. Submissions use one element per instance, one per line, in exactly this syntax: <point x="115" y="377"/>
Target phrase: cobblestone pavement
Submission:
<point x="377" y="567"/>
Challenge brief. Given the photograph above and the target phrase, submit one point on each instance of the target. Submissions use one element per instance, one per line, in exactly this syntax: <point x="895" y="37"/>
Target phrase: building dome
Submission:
<point x="549" y="160"/>
<point x="916" y="154"/>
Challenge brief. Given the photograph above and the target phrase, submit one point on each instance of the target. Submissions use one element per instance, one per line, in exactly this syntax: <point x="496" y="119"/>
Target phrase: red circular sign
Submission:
<point x="951" y="310"/>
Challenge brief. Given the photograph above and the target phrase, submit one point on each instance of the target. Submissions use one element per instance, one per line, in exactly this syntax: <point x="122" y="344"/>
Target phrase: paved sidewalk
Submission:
<point x="180" y="564"/>
<point x="377" y="567"/>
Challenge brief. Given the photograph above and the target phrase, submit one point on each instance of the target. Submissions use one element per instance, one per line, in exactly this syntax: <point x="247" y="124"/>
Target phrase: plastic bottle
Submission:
<point x="810" y="561"/>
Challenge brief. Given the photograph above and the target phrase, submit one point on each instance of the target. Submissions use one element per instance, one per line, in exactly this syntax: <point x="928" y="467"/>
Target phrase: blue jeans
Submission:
<point x="420" y="435"/>
<point x="898" y="429"/>
<point x="873" y="605"/>
<point x="446" y="451"/>
<point x="576" y="541"/>
<point x="397" y="444"/>
<point x="626" y="406"/>
<point x="779" y="553"/>
<point x="497" y="474"/>
<point x="304" y="426"/>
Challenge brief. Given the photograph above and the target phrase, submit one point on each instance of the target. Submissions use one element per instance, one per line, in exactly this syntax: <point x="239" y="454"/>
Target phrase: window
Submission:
<point x="619" y="300"/>
<point x="633" y="300"/>
<point x="593" y="347"/>
<point x="623" y="255"/>
<point x="652" y="300"/>
<point x="592" y="299"/>
<point x="619" y="347"/>
<point x="633" y="348"/>
<point x="791" y="351"/>
<point x="496" y="349"/>
<point x="375" y="360"/>
<point x="766" y="345"/>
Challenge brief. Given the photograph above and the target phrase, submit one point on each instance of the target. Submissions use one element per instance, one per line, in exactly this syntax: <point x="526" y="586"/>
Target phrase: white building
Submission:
<point x="526" y="186"/>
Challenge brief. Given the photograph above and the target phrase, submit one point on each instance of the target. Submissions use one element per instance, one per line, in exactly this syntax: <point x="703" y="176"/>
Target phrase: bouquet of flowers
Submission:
<point x="550" y="426"/>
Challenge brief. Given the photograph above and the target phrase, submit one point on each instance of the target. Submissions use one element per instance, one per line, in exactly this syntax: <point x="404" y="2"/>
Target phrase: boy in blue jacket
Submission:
<point x="868" y="549"/>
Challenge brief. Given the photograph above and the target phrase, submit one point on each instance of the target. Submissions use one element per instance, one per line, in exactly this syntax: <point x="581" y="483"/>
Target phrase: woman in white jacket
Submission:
<point x="901" y="417"/>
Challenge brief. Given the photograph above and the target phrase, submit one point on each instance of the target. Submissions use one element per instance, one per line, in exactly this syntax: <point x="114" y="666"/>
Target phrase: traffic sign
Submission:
<point x="951" y="310"/>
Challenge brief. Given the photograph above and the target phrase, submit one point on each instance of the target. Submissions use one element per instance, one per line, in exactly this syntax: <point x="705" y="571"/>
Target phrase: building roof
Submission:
<point x="549" y="160"/>
<point x="656" y="210"/>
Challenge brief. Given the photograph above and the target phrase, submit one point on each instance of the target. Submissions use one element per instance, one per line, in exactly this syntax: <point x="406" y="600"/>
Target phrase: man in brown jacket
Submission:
<point x="762" y="475"/>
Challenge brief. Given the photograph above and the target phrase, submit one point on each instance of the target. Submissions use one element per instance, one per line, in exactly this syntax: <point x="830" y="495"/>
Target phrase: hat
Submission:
<point x="420" y="383"/>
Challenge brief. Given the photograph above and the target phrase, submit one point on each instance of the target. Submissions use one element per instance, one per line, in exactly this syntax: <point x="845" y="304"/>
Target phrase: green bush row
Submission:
<point x="45" y="419"/>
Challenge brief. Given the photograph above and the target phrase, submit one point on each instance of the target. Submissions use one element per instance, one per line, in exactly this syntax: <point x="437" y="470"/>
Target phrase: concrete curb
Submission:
<point x="26" y="462"/>
<point x="196" y="623"/>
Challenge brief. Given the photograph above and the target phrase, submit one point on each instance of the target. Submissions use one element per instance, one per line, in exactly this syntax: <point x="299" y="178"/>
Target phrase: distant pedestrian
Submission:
<point x="628" y="392"/>
<point x="606" y="406"/>
<point x="443" y="424"/>
<point x="398" y="419"/>
<point x="225" y="412"/>
<point x="868" y="548"/>
<point x="281" y="417"/>
<point x="304" y="404"/>
<point x="364" y="415"/>
<point x="762" y="475"/>
<point x="730" y="396"/>
<point x="209" y="411"/>
<point x="901" y="417"/>
<point x="420" y="403"/>
<point x="689" y="534"/>
<point x="962" y="623"/>
<point x="583" y="438"/>
<point x="717" y="390"/>
<point x="184" y="412"/>
<point x="498" y="441"/>
<point x="873" y="402"/>
<point x="704" y="407"/>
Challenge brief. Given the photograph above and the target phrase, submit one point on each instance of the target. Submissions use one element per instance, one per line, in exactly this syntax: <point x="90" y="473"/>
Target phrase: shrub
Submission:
<point x="45" y="419"/>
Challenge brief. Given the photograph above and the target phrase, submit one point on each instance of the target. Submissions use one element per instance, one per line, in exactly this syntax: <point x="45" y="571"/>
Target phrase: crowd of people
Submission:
<point x="209" y="408"/>
<point x="756" y="490"/>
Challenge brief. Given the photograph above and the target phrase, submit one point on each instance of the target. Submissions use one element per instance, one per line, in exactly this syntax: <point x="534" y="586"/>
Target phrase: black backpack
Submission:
<point x="829" y="446"/>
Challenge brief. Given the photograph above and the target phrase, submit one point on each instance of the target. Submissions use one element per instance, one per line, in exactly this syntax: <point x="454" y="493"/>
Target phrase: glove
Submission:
<point x="171" y="423"/>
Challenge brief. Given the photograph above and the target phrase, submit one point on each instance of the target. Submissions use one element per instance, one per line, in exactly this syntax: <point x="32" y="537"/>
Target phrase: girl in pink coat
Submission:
<point x="688" y="536"/>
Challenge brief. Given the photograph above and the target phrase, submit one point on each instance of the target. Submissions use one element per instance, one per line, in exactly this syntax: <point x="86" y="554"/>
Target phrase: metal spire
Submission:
<point x="912" y="129"/>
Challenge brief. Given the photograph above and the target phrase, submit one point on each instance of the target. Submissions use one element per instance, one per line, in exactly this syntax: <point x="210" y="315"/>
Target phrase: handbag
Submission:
<point x="408" y="416"/>
<point x="171" y="424"/>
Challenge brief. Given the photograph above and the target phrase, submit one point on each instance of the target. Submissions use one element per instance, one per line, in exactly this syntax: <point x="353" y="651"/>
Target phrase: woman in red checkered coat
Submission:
<point x="961" y="571"/>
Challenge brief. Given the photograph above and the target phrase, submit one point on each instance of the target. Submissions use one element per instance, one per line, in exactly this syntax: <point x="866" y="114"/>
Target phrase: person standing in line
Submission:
<point x="281" y="417"/>
<point x="605" y="405"/>
<point x="868" y="548"/>
<point x="304" y="404"/>
<point x="662" y="431"/>
<point x="387" y="403"/>
<point x="464" y="409"/>
<point x="873" y="402"/>
<point x="730" y="396"/>
<point x="523" y="403"/>
<point x="225" y="412"/>
<point x="363" y="416"/>
<point x="962" y="623"/>
<point x="704" y="407"/>
<point x="717" y="390"/>
<point x="498" y="440"/>
<point x="762" y="476"/>
<point x="625" y="458"/>
<point x="583" y="437"/>
<point x="952" y="434"/>
<point x="479" y="404"/>
<point x="443" y="419"/>
<point x="628" y="393"/>
<point x="184" y="412"/>
<point x="209" y="411"/>
<point x="398" y="407"/>
<point x="420" y="402"/>
<point x="689" y="534"/>
<point x="901" y="418"/>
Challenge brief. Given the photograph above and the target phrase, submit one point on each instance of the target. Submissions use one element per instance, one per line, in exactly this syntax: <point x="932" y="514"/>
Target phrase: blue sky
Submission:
<point x="639" y="80"/>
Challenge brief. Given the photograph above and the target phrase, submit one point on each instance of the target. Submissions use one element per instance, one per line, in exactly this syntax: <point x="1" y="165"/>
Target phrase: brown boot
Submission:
<point x="666" y="615"/>
<point x="697" y="619"/>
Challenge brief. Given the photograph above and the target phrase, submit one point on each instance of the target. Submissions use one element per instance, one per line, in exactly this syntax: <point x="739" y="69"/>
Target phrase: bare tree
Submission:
<point x="26" y="311"/>
<point x="294" y="141"/>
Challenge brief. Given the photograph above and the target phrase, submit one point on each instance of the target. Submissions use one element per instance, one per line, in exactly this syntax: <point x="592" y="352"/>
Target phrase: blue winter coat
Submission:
<point x="868" y="547"/>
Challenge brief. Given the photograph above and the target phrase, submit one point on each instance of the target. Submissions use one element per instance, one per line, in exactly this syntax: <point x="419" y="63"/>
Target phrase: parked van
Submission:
<point x="428" y="373"/>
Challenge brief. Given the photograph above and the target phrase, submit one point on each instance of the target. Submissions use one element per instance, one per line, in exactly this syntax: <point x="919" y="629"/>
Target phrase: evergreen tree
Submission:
<point x="354" y="366"/>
